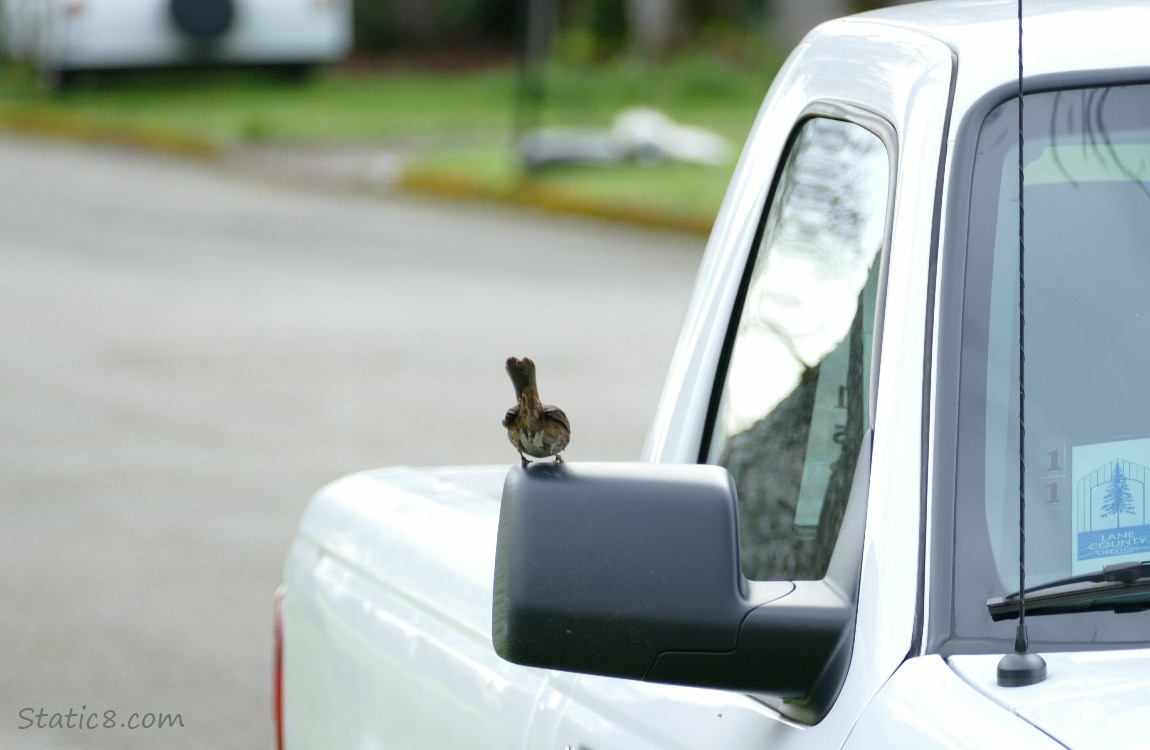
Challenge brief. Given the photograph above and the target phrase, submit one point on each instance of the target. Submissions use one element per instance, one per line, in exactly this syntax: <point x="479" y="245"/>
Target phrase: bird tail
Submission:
<point x="522" y="372"/>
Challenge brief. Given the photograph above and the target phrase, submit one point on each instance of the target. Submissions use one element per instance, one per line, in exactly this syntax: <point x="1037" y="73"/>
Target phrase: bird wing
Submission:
<point x="556" y="414"/>
<point x="511" y="415"/>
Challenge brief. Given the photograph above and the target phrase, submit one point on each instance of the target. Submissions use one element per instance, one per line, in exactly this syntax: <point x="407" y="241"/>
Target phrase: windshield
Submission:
<point x="1087" y="357"/>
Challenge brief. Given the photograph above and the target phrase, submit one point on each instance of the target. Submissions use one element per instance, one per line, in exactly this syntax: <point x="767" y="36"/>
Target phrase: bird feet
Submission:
<point x="523" y="460"/>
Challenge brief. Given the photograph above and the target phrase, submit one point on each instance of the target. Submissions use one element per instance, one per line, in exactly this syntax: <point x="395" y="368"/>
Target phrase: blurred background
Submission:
<point x="510" y="100"/>
<point x="249" y="246"/>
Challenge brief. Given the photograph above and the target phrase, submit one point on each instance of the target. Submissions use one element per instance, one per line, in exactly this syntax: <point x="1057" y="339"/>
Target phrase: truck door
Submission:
<point x="790" y="419"/>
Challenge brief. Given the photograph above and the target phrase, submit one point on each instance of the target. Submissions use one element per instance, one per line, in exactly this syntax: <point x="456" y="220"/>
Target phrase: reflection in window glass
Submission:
<point x="794" y="403"/>
<point x="1087" y="351"/>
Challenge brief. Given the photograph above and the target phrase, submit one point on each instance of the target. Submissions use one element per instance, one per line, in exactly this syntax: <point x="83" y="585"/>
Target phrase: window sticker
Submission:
<point x="1111" y="513"/>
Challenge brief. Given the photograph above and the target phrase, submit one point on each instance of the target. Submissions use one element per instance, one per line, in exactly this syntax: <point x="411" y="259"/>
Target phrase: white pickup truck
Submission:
<point x="820" y="547"/>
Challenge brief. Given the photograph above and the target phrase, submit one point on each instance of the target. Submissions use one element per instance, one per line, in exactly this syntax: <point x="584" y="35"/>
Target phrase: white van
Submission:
<point x="64" y="36"/>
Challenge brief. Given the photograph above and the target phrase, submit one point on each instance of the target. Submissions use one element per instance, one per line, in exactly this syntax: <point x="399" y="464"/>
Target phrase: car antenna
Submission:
<point x="1021" y="667"/>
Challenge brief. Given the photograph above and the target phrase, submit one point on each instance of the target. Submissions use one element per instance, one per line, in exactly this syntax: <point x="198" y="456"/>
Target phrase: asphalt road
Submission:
<point x="188" y="352"/>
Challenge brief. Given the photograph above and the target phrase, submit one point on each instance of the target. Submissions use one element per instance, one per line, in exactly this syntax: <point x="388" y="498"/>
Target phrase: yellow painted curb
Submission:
<point x="46" y="121"/>
<point x="531" y="194"/>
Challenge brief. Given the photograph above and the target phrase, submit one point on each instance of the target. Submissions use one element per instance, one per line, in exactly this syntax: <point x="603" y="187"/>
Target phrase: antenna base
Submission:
<point x="1020" y="669"/>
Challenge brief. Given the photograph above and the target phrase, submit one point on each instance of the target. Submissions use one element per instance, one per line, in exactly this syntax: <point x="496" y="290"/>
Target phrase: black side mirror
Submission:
<point x="632" y="570"/>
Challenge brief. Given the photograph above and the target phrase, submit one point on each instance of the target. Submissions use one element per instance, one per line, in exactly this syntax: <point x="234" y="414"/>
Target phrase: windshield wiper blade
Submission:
<point x="1128" y="572"/>
<point x="1123" y="587"/>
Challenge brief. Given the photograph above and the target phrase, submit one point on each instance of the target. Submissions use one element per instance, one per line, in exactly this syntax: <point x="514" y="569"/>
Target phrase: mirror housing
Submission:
<point x="632" y="570"/>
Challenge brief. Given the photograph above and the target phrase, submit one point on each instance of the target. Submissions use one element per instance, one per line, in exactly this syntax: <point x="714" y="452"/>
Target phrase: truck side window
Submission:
<point x="794" y="405"/>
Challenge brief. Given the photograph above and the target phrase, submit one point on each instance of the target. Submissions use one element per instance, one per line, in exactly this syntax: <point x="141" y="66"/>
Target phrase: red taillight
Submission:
<point x="278" y="667"/>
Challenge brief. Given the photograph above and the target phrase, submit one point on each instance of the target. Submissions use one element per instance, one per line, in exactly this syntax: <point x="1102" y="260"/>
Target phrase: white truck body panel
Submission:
<point x="396" y="641"/>
<point x="1090" y="699"/>
<point x="370" y="601"/>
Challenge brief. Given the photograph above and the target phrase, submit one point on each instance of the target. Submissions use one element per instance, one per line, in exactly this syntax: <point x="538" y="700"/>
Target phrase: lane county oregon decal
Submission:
<point x="1111" y="521"/>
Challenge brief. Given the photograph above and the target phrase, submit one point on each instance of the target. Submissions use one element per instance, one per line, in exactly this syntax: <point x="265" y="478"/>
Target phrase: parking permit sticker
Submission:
<point x="1111" y="513"/>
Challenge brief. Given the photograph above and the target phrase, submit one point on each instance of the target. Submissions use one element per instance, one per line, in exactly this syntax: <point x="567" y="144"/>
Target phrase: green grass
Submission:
<point x="232" y="107"/>
<point x="684" y="196"/>
<point x="459" y="125"/>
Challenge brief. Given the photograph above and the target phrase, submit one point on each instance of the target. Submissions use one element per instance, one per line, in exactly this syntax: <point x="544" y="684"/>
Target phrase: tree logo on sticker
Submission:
<point x="1118" y="500"/>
